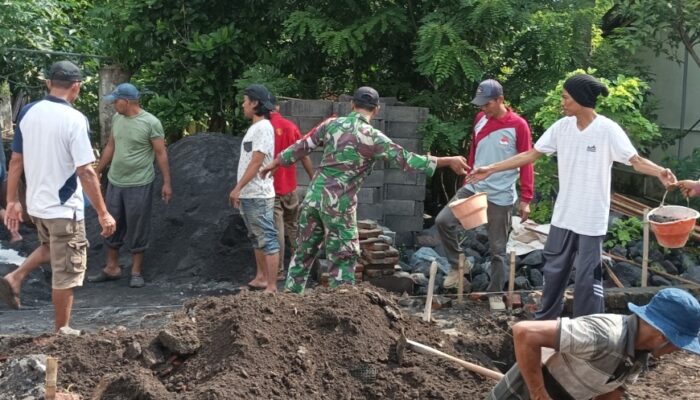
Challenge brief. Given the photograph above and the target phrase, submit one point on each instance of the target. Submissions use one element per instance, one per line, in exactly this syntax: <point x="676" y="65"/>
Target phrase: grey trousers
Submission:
<point x="131" y="209"/>
<point x="563" y="250"/>
<point x="497" y="228"/>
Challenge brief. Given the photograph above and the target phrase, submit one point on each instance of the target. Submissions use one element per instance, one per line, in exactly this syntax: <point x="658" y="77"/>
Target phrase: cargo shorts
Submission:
<point x="68" y="247"/>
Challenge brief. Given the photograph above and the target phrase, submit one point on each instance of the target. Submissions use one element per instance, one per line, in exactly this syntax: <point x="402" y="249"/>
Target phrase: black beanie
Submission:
<point x="585" y="89"/>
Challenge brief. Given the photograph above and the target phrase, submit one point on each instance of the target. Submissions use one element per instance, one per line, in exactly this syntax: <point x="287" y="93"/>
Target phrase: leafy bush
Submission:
<point x="623" y="231"/>
<point x="445" y="137"/>
<point x="546" y="186"/>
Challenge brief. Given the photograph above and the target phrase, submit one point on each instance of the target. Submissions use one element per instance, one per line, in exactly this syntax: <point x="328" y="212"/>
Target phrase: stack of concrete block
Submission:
<point x="388" y="195"/>
<point x="378" y="258"/>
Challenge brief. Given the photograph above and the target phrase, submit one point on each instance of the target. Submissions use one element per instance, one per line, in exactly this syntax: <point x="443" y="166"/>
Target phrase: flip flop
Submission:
<point x="8" y="295"/>
<point x="103" y="277"/>
<point x="254" y="288"/>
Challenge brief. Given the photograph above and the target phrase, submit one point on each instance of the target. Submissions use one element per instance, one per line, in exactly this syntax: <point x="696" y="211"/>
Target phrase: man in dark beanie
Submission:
<point x="586" y="145"/>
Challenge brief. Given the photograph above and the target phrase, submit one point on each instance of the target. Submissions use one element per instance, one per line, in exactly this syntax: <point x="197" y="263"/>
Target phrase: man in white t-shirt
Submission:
<point x="254" y="196"/>
<point x="52" y="147"/>
<point x="586" y="145"/>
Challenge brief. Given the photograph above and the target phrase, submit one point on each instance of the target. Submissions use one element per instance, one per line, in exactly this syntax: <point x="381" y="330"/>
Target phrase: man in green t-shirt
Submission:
<point x="137" y="140"/>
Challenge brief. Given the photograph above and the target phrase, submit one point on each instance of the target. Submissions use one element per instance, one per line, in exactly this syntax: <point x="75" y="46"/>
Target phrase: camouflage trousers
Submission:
<point x="339" y="229"/>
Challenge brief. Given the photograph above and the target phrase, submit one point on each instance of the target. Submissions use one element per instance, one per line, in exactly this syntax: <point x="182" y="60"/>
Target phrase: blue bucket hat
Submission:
<point x="125" y="91"/>
<point x="676" y="314"/>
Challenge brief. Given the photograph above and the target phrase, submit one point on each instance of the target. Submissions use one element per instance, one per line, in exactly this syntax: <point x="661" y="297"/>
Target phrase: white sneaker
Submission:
<point x="496" y="303"/>
<point x="67" y="330"/>
<point x="452" y="279"/>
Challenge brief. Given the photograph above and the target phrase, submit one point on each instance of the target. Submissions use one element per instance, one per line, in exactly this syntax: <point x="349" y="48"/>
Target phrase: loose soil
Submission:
<point x="326" y="344"/>
<point x="323" y="345"/>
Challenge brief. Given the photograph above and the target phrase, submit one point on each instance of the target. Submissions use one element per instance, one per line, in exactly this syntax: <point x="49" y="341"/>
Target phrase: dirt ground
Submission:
<point x="324" y="345"/>
<point x="338" y="345"/>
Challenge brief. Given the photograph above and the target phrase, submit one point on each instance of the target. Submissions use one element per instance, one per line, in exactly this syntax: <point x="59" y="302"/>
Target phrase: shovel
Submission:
<point x="404" y="344"/>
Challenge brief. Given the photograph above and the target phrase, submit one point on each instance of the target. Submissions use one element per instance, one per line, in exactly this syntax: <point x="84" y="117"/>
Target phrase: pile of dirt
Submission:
<point x="198" y="237"/>
<point x="327" y="344"/>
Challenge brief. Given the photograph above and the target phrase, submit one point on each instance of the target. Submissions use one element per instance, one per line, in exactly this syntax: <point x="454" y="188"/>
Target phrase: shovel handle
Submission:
<point x="489" y="373"/>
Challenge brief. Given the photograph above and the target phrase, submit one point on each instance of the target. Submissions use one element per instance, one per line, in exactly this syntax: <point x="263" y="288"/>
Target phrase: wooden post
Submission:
<point x="511" y="280"/>
<point x="460" y="284"/>
<point x="431" y="285"/>
<point x="51" y="373"/>
<point x="645" y="249"/>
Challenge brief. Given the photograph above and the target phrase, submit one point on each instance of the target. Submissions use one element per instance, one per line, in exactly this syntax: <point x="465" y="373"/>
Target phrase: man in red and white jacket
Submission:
<point x="499" y="133"/>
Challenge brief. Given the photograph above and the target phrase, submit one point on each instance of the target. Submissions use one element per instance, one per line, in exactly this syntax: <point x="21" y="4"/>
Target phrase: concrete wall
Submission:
<point x="390" y="196"/>
<point x="668" y="88"/>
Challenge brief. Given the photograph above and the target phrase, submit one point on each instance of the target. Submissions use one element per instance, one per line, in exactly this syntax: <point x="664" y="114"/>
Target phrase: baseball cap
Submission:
<point x="260" y="93"/>
<point x="64" y="71"/>
<point x="676" y="314"/>
<point x="487" y="91"/>
<point x="125" y="91"/>
<point x="366" y="96"/>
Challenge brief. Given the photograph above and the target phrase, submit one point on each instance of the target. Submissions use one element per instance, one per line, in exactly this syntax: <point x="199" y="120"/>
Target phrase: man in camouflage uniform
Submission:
<point x="350" y="148"/>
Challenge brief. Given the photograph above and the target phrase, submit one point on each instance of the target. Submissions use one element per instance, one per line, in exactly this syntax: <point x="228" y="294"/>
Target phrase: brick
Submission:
<point x="369" y="233"/>
<point x="311" y="108"/>
<point x="405" y="192"/>
<point x="403" y="129"/>
<point x="404" y="224"/>
<point x="379" y="246"/>
<point x="368" y="196"/>
<point x="406" y="114"/>
<point x="375" y="179"/>
<point x="412" y="145"/>
<point x="399" y="207"/>
<point x="367" y="224"/>
<point x="370" y="211"/>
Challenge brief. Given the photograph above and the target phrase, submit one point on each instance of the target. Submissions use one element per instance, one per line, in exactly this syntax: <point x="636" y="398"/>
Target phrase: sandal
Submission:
<point x="103" y="277"/>
<point x="8" y="295"/>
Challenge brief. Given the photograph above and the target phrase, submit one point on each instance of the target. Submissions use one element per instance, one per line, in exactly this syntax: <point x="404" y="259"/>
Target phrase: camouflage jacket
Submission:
<point x="351" y="146"/>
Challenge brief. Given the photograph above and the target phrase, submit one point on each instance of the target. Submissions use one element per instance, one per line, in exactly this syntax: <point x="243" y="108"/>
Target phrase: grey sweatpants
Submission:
<point x="564" y="250"/>
<point x="498" y="228"/>
<point x="131" y="209"/>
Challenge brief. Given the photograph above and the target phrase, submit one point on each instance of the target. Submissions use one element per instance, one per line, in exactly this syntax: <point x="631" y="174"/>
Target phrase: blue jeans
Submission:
<point x="258" y="215"/>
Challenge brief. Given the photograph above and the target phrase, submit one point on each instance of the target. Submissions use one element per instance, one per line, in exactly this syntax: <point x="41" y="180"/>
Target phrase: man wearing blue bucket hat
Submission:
<point x="597" y="356"/>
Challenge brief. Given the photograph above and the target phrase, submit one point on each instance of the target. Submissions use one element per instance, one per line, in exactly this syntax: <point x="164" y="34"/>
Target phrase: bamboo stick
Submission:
<point x="429" y="300"/>
<point x="51" y="377"/>
<point x="645" y="248"/>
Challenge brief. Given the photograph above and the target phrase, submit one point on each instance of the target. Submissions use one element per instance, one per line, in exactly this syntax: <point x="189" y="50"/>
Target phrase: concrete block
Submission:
<point x="421" y="178"/>
<point x="368" y="196"/>
<point x="399" y="223"/>
<point x="342" y="109"/>
<point x="311" y="108"/>
<point x="419" y="209"/>
<point x="403" y="129"/>
<point x="370" y="211"/>
<point x="400" y="177"/>
<point x="405" y="192"/>
<point x="406" y="114"/>
<point x="375" y="179"/>
<point x="302" y="177"/>
<point x="412" y="145"/>
<point x="399" y="207"/>
<point x="305" y="124"/>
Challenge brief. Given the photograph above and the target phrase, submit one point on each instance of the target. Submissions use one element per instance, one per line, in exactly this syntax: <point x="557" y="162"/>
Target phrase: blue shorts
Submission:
<point x="258" y="215"/>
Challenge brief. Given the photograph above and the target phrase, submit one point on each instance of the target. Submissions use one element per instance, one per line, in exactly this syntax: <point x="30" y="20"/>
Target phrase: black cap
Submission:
<point x="261" y="94"/>
<point x="65" y="71"/>
<point x="487" y="91"/>
<point x="585" y="89"/>
<point x="366" y="96"/>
